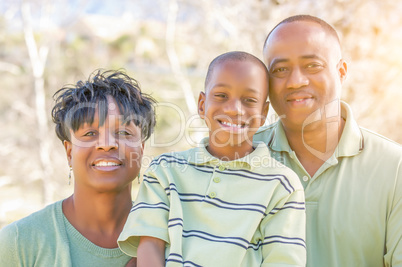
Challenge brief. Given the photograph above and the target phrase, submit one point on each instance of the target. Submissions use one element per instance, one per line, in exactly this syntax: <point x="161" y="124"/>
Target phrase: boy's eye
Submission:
<point x="251" y="100"/>
<point x="220" y="95"/>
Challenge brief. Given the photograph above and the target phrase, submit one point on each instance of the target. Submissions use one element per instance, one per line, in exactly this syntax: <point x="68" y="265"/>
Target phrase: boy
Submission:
<point x="227" y="202"/>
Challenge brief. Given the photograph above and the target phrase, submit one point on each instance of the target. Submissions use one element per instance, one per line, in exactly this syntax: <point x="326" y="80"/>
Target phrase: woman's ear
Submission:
<point x="201" y="105"/>
<point x="68" y="146"/>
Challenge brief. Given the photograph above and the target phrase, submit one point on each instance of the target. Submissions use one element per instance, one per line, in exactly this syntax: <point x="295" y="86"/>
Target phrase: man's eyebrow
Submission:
<point x="278" y="60"/>
<point x="282" y="60"/>
<point x="310" y="57"/>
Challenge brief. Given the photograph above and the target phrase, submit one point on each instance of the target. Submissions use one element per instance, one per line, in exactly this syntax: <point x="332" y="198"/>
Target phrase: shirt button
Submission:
<point x="221" y="168"/>
<point x="305" y="178"/>
<point x="212" y="195"/>
<point x="217" y="179"/>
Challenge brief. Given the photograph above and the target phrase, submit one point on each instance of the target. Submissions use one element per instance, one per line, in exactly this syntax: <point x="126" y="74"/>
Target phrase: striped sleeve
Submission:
<point x="284" y="231"/>
<point x="149" y="214"/>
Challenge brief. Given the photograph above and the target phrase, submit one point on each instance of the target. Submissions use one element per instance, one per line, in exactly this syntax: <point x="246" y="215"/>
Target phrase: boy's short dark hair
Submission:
<point x="235" y="56"/>
<point x="75" y="104"/>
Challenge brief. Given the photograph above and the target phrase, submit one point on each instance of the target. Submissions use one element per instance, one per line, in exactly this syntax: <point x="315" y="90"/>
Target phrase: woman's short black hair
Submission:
<point x="75" y="104"/>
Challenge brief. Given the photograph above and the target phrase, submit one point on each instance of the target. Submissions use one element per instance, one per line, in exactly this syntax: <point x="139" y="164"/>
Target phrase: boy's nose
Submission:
<point x="233" y="107"/>
<point x="297" y="79"/>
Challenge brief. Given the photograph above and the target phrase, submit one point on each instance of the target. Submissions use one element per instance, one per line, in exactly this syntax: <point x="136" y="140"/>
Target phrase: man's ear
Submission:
<point x="201" y="105"/>
<point x="264" y="114"/>
<point x="68" y="146"/>
<point x="343" y="69"/>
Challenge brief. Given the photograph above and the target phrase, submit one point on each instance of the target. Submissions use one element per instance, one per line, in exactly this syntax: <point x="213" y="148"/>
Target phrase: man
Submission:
<point x="352" y="177"/>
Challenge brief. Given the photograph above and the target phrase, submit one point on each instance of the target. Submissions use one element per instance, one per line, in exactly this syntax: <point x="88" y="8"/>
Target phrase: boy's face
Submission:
<point x="234" y="104"/>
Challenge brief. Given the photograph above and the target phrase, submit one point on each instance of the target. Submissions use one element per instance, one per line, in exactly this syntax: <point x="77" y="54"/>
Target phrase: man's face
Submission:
<point x="234" y="104"/>
<point x="306" y="71"/>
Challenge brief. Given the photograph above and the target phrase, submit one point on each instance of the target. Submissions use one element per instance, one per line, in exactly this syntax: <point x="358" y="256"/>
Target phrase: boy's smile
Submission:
<point x="234" y="106"/>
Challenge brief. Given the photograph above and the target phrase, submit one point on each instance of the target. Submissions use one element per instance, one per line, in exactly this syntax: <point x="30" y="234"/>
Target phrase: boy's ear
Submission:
<point x="201" y="105"/>
<point x="67" y="147"/>
<point x="265" y="110"/>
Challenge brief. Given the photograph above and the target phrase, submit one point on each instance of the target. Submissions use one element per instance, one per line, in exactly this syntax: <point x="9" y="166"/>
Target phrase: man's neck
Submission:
<point x="315" y="143"/>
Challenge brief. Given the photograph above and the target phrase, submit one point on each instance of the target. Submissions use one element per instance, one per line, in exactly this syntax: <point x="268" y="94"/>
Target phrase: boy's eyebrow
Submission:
<point x="248" y="89"/>
<point x="221" y="85"/>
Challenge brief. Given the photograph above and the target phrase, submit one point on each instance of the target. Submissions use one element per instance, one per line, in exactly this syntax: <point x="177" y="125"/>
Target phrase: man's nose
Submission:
<point x="297" y="79"/>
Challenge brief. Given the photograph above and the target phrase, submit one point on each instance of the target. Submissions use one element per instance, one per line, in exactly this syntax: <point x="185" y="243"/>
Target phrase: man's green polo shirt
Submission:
<point x="354" y="201"/>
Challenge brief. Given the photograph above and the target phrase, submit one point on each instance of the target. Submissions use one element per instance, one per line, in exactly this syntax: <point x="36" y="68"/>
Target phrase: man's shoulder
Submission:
<point x="266" y="132"/>
<point x="265" y="129"/>
<point x="377" y="142"/>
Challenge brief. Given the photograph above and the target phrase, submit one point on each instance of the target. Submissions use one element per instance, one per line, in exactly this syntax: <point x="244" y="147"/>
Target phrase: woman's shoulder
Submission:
<point x="35" y="223"/>
<point x="34" y="239"/>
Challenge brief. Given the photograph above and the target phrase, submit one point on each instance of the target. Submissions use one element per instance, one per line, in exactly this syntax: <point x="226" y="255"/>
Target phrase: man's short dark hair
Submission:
<point x="326" y="26"/>
<point x="75" y="104"/>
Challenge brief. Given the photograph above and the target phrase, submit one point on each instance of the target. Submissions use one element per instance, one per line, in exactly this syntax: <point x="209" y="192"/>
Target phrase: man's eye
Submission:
<point x="314" y="66"/>
<point x="279" y="70"/>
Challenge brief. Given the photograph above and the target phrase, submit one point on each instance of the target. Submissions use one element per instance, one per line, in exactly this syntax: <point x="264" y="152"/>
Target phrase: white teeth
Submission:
<point x="106" y="163"/>
<point x="232" y="125"/>
<point x="298" y="100"/>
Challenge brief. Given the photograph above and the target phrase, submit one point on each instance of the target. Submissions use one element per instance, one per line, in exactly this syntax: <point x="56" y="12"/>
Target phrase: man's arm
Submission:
<point x="393" y="250"/>
<point x="151" y="252"/>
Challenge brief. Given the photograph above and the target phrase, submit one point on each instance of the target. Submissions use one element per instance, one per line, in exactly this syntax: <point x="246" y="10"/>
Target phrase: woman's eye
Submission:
<point x="124" y="132"/>
<point x="91" y="133"/>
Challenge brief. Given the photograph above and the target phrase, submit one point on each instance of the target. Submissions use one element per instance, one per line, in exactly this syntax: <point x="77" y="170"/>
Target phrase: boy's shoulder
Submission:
<point x="183" y="155"/>
<point x="174" y="159"/>
<point x="264" y="164"/>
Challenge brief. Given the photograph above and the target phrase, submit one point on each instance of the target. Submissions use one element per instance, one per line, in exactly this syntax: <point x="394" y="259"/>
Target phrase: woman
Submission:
<point x="103" y="124"/>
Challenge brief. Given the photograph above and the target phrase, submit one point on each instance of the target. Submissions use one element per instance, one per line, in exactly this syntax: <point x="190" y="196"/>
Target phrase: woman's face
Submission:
<point x="105" y="157"/>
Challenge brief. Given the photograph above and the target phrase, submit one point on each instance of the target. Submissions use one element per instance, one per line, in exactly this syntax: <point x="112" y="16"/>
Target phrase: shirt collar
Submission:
<point x="350" y="144"/>
<point x="200" y="155"/>
<point x="352" y="140"/>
